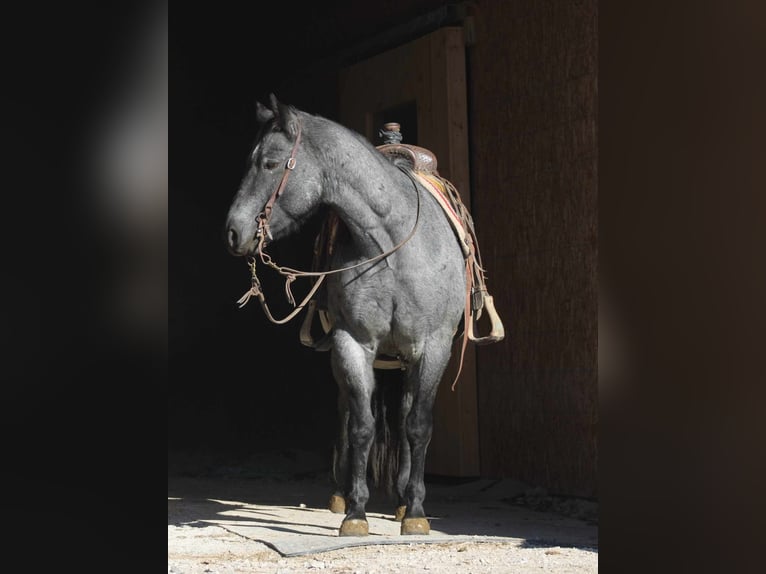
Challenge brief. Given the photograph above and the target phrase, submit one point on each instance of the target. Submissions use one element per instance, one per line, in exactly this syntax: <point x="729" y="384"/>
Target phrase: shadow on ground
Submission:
<point x="287" y="510"/>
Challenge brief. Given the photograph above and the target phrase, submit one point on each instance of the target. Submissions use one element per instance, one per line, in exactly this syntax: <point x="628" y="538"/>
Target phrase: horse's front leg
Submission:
<point x="352" y="368"/>
<point x="422" y="379"/>
<point x="403" y="478"/>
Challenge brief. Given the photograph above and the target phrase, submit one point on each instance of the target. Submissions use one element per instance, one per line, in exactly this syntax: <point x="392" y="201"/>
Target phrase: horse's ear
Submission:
<point x="273" y="103"/>
<point x="288" y="120"/>
<point x="262" y="113"/>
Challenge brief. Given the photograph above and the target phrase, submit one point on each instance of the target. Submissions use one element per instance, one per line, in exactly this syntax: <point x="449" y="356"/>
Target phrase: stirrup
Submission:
<point x="497" y="331"/>
<point x="307" y="339"/>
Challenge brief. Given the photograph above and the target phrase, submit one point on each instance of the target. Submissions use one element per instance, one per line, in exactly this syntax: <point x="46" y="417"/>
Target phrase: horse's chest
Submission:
<point x="383" y="309"/>
<point x="363" y="304"/>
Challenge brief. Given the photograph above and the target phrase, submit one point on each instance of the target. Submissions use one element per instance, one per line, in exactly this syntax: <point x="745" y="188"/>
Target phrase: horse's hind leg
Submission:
<point x="423" y="380"/>
<point x="337" y="502"/>
<point x="352" y="367"/>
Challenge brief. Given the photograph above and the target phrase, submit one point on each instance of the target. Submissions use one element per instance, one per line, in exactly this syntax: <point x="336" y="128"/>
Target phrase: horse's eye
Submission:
<point x="270" y="164"/>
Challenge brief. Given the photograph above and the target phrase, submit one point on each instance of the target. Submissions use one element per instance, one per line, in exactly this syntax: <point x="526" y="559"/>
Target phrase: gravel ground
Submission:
<point x="212" y="549"/>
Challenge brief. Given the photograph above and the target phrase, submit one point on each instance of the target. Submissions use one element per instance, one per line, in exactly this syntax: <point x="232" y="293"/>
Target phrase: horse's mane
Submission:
<point x="272" y="126"/>
<point x="353" y="134"/>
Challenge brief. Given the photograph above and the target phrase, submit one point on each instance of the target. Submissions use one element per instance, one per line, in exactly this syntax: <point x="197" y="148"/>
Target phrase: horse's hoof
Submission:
<point x="354" y="527"/>
<point x="337" y="504"/>
<point x="415" y="526"/>
<point x="399" y="514"/>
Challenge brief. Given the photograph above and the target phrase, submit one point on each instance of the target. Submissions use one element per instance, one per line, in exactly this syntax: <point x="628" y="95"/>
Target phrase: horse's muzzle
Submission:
<point x="237" y="243"/>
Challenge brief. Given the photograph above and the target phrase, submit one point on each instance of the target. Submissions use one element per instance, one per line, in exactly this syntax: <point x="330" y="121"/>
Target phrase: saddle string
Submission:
<point x="466" y="316"/>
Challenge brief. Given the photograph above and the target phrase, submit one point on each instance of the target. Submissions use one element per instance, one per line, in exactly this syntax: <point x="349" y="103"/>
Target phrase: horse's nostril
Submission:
<point x="233" y="238"/>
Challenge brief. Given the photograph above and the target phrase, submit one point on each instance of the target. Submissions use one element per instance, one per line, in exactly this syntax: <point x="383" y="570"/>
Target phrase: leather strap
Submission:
<point x="466" y="316"/>
<point x="265" y="215"/>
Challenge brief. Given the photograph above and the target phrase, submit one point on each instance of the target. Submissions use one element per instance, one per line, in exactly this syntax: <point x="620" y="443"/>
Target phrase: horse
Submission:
<point x="397" y="285"/>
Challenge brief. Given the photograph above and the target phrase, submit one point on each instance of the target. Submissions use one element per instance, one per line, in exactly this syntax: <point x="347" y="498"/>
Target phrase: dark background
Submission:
<point x="680" y="182"/>
<point x="242" y="386"/>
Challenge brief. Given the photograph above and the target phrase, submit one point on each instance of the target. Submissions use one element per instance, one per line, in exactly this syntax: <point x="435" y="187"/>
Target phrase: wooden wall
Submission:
<point x="533" y="106"/>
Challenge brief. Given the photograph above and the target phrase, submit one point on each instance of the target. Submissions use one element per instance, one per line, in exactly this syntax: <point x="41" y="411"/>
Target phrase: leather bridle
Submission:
<point x="292" y="274"/>
<point x="265" y="215"/>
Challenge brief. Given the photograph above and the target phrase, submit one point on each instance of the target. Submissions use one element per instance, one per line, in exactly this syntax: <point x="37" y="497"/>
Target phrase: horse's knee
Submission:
<point x="362" y="436"/>
<point x="419" y="430"/>
<point x="362" y="430"/>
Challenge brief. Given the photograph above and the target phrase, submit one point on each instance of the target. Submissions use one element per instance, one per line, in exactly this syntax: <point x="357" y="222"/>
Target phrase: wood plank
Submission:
<point x="455" y="450"/>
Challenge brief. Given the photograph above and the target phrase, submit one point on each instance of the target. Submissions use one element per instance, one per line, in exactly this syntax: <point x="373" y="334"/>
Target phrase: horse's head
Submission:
<point x="281" y="188"/>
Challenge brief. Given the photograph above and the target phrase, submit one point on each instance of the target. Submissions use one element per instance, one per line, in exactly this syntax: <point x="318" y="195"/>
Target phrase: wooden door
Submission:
<point x="422" y="86"/>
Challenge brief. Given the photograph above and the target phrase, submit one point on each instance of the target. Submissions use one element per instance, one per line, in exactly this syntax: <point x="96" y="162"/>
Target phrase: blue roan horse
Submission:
<point x="399" y="288"/>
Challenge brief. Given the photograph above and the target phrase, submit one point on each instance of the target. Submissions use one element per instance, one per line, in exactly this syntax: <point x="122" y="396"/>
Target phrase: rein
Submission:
<point x="288" y="272"/>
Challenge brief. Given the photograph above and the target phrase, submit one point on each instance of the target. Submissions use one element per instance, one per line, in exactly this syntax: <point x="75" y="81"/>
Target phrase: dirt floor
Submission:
<point x="237" y="522"/>
<point x="215" y="550"/>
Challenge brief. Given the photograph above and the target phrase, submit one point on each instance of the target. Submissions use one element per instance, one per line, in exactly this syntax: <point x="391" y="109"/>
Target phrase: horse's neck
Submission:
<point x="375" y="201"/>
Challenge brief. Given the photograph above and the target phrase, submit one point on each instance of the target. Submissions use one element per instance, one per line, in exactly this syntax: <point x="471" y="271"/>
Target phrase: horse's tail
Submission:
<point x="384" y="453"/>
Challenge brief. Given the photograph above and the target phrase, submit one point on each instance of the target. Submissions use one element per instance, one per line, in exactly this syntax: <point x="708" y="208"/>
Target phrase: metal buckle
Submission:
<point x="477" y="299"/>
<point x="290" y="163"/>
